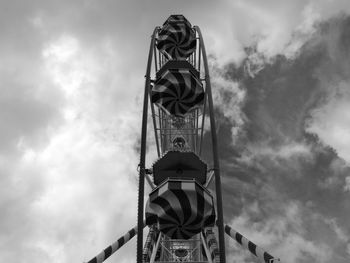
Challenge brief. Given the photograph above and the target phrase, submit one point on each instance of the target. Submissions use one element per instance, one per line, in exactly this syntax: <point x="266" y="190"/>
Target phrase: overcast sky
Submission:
<point x="71" y="82"/>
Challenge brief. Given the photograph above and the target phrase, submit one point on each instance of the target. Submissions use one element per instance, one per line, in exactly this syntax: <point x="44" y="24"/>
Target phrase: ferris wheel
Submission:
<point x="184" y="222"/>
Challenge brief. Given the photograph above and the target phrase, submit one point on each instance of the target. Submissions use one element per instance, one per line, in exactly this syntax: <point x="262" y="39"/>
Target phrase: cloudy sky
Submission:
<point x="71" y="81"/>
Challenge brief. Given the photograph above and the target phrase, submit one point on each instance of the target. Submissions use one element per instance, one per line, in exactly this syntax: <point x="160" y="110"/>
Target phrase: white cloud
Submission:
<point x="335" y="178"/>
<point x="79" y="186"/>
<point x="304" y="31"/>
<point x="89" y="183"/>
<point x="90" y="180"/>
<point x="68" y="65"/>
<point x="277" y="27"/>
<point x="347" y="184"/>
<point x="331" y="121"/>
<point x="221" y="40"/>
<point x="282" y="235"/>
<point x="341" y="234"/>
<point x="272" y="24"/>
<point x="229" y="97"/>
<point x="289" y="151"/>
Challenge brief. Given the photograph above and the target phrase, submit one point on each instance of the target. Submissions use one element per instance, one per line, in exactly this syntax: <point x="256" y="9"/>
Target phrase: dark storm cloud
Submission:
<point x="279" y="162"/>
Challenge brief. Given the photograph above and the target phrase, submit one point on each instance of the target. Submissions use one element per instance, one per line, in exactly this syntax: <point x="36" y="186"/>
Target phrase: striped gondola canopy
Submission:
<point x="182" y="208"/>
<point x="178" y="91"/>
<point x="175" y="19"/>
<point x="177" y="39"/>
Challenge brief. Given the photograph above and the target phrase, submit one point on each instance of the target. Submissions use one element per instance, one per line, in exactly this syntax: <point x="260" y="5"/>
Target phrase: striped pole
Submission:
<point x="254" y="249"/>
<point x="108" y="251"/>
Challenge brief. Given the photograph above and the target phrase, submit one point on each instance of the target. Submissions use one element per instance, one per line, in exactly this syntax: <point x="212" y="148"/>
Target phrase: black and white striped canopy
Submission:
<point x="178" y="91"/>
<point x="262" y="255"/>
<point x="182" y="208"/>
<point x="176" y="40"/>
<point x="177" y="19"/>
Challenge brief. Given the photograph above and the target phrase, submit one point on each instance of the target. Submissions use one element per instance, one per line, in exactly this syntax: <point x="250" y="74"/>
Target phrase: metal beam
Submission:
<point x="215" y="152"/>
<point x="142" y="173"/>
<point x="206" y="249"/>
<point x="155" y="248"/>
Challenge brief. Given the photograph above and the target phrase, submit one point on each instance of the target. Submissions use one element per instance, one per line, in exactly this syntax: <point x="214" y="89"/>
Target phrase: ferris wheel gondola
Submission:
<point x="177" y="39"/>
<point x="178" y="91"/>
<point x="181" y="208"/>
